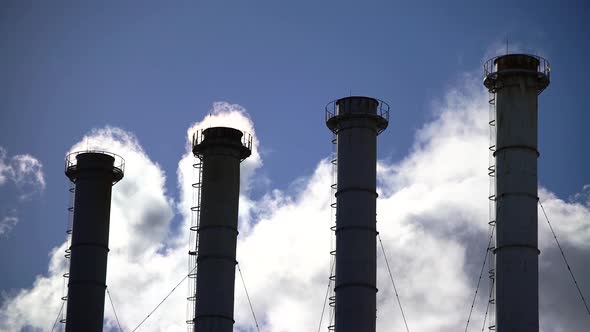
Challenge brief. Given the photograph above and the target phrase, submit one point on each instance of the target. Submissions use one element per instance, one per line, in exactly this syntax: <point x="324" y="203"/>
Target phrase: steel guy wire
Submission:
<point x="114" y="311"/>
<point x="248" y="297"/>
<point x="393" y="283"/>
<point x="58" y="314"/>
<point x="485" y="316"/>
<point x="327" y="295"/>
<point x="565" y="260"/>
<point x="165" y="298"/>
<point x="483" y="266"/>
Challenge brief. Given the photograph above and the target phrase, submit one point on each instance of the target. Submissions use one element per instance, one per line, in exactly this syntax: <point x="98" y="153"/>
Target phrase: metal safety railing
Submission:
<point x="490" y="67"/>
<point x="543" y="71"/>
<point x="199" y="136"/>
<point x="332" y="109"/>
<point x="71" y="162"/>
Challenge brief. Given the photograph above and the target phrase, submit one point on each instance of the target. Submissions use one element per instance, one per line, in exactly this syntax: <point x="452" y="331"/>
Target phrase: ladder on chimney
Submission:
<point x="68" y="251"/>
<point x="333" y="204"/>
<point x="194" y="243"/>
<point x="490" y="309"/>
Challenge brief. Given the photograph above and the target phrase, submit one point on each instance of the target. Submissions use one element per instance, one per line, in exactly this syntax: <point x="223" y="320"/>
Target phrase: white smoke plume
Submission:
<point x="432" y="217"/>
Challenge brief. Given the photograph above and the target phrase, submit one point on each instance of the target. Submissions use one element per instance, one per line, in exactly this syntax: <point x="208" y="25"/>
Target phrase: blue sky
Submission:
<point x="154" y="69"/>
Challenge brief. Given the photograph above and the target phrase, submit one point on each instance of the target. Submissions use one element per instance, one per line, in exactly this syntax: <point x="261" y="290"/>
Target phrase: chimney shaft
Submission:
<point x="516" y="80"/>
<point x="356" y="121"/>
<point x="221" y="151"/>
<point x="93" y="173"/>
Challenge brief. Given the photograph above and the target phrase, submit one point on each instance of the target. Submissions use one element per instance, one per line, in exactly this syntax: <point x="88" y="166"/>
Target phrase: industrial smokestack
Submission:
<point x="516" y="80"/>
<point x="356" y="122"/>
<point x="221" y="150"/>
<point x="94" y="174"/>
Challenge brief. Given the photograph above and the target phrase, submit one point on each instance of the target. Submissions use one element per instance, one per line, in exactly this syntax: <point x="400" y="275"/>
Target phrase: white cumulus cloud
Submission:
<point x="432" y="218"/>
<point x="24" y="170"/>
<point x="26" y="173"/>
<point x="7" y="223"/>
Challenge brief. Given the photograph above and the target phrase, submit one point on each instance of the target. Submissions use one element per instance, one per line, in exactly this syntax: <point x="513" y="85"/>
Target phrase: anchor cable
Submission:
<point x="393" y="283"/>
<point x="58" y="314"/>
<point x="327" y="295"/>
<point x="114" y="311"/>
<point x="165" y="298"/>
<point x="485" y="259"/>
<point x="248" y="297"/>
<point x="565" y="259"/>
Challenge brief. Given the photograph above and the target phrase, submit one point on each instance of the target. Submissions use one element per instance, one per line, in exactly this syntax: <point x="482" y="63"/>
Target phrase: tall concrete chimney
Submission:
<point x="94" y="174"/>
<point x="356" y="122"/>
<point x="221" y="150"/>
<point x="516" y="80"/>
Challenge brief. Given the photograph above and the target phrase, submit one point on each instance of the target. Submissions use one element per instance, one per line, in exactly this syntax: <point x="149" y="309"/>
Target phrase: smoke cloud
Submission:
<point x="432" y="218"/>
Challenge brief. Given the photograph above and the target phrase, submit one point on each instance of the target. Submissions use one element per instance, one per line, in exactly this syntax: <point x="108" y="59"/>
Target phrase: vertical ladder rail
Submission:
<point x="492" y="211"/>
<point x="68" y="251"/>
<point x="194" y="243"/>
<point x="333" y="189"/>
